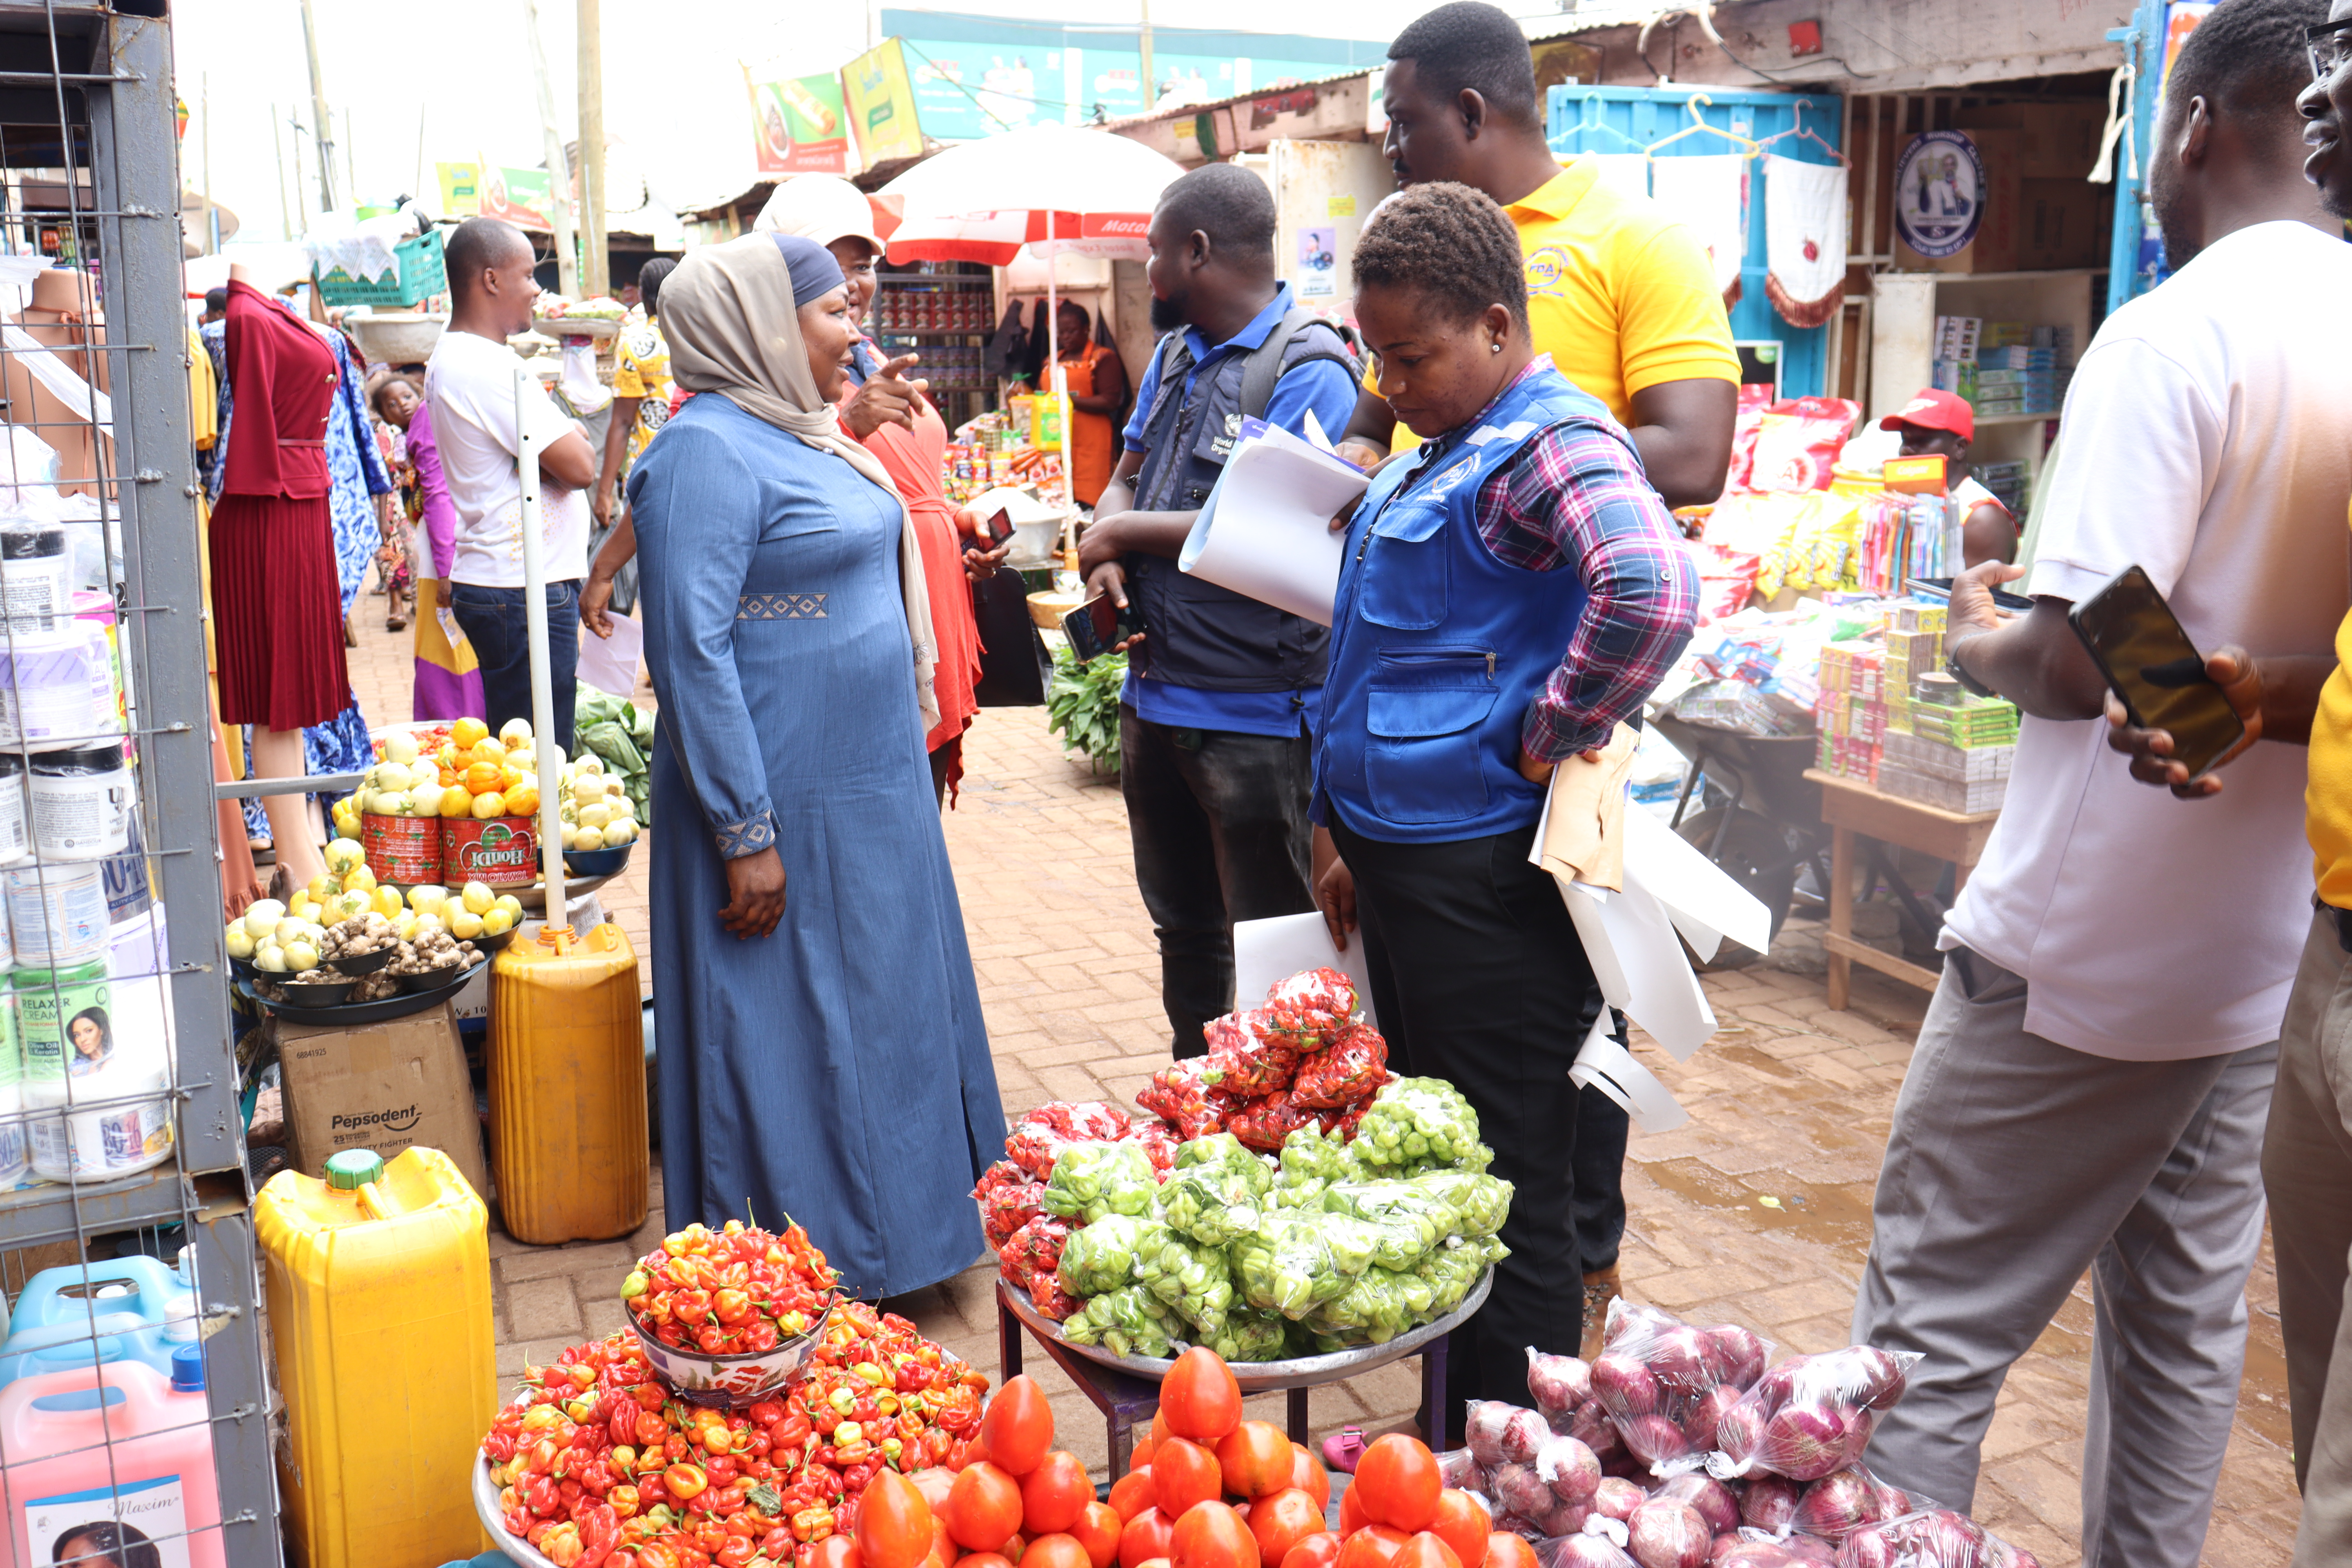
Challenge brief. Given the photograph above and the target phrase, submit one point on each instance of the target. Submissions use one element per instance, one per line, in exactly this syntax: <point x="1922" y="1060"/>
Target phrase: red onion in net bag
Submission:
<point x="1937" y="1538"/>
<point x="1582" y="1551"/>
<point x="1734" y="1551"/>
<point x="1616" y="1498"/>
<point x="1570" y="1470"/>
<point x="1590" y="1425"/>
<point x="1770" y="1504"/>
<point x="1658" y="1379"/>
<point x="1841" y="1504"/>
<point x="1706" y="1416"/>
<point x="1485" y="1421"/>
<point x="1812" y="1548"/>
<point x="1558" y="1382"/>
<point x="1737" y="1355"/>
<point x="1717" y="1503"/>
<point x="1524" y="1437"/>
<point x="1459" y="1470"/>
<point x="1518" y="1489"/>
<point x="1811" y="1416"/>
<point x="1664" y="1533"/>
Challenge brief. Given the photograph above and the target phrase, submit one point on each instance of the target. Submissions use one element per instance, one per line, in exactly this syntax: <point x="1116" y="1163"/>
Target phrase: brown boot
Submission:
<point x="1599" y="1289"/>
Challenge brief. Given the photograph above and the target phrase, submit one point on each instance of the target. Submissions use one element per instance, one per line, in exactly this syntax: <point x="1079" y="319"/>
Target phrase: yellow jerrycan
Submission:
<point x="567" y="1068"/>
<point x="379" y="1292"/>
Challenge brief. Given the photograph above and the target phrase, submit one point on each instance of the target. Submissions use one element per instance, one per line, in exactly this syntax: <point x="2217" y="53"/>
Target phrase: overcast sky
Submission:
<point x="458" y="72"/>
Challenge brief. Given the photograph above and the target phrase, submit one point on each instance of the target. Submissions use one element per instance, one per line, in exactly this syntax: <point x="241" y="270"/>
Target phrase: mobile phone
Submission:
<point x="1941" y="588"/>
<point x="2157" y="672"/>
<point x="996" y="530"/>
<point x="1093" y="627"/>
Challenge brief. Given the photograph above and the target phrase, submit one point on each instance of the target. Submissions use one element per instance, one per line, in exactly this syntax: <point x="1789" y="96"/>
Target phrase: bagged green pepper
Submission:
<point x="1248" y="1335"/>
<point x="1296" y="1260"/>
<point x="1193" y="1280"/>
<point x="1407" y="1219"/>
<point x="1101" y="1256"/>
<point x="1418" y="1118"/>
<point x="1480" y="1202"/>
<point x="1129" y="1321"/>
<point x="1091" y="1179"/>
<point x="1378" y="1305"/>
<point x="1216" y="1190"/>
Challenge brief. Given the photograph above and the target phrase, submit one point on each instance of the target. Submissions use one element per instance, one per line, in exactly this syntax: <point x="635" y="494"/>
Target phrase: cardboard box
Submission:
<point x="1994" y="248"/>
<point x="382" y="1087"/>
<point x="2058" y="224"/>
<point x="2054" y="141"/>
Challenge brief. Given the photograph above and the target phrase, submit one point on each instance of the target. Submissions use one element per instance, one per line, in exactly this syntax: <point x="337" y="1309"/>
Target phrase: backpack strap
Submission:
<point x="1265" y="366"/>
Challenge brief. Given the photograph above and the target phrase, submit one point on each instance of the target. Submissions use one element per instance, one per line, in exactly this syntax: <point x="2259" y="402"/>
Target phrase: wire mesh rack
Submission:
<point x="121" y="1142"/>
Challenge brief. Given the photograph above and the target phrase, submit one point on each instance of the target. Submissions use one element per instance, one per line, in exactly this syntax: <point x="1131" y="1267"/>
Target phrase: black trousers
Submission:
<point x="1219" y="824"/>
<point x="1601" y="1128"/>
<point x="1480" y="980"/>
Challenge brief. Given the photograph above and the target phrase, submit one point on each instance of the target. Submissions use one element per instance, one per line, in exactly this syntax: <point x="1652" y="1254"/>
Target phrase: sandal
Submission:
<point x="1343" y="1448"/>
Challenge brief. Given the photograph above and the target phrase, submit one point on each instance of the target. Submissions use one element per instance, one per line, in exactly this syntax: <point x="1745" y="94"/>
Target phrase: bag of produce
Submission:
<point x="1500" y="1434"/>
<point x="1526" y="1506"/>
<point x="1129" y="1321"/>
<point x="1246" y="1059"/>
<point x="1215" y="1195"/>
<point x="1559" y="1382"/>
<point x="1807" y="1417"/>
<point x="1248" y="1335"/>
<point x="1351" y="1069"/>
<point x="1406" y="1218"/>
<point x="1004" y="1174"/>
<point x="1091" y="1179"/>
<point x="1102" y="1257"/>
<point x="1312" y="1154"/>
<point x="1263" y="1124"/>
<point x="1191" y="1280"/>
<point x="1581" y="1550"/>
<point x="1193" y="1107"/>
<point x="1344" y="1124"/>
<point x="1480" y="1202"/>
<point x="1041" y="1135"/>
<point x="1668" y="1384"/>
<point x="1378" y="1306"/>
<point x="1158" y="1145"/>
<point x="1416" y="1119"/>
<point x="1036" y="1247"/>
<point x="1310" y="1008"/>
<point x="1004" y="1210"/>
<point x="1935" y="1538"/>
<point x="1294" y="1262"/>
<point x="1570" y="1468"/>
<point x="1843" y="1502"/>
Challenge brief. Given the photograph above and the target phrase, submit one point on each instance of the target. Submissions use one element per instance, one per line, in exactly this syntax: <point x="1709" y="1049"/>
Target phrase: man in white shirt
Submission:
<point x="471" y="383"/>
<point x="2090" y="1088"/>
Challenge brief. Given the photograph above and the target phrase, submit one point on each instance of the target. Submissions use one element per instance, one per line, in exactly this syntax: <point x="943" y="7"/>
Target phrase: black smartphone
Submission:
<point x="1941" y="588"/>
<point x="1093" y="627"/>
<point x="2151" y="665"/>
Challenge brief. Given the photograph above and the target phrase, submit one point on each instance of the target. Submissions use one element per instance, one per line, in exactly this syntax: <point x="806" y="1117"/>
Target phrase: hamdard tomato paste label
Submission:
<point x="502" y="851"/>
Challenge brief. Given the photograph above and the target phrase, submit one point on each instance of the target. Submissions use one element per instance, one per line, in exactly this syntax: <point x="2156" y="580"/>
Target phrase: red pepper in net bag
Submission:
<point x="1033" y="1146"/>
<point x="1307" y="1009"/>
<point x="1245" y="1057"/>
<point x="1004" y="1210"/>
<point x="1347" y="1118"/>
<point x="1192" y="1106"/>
<point x="1158" y="1145"/>
<point x="1263" y="1124"/>
<point x="1037" y="1244"/>
<point x="1092" y="1120"/>
<point x="1047" y="1294"/>
<point x="1004" y="1174"/>
<point x="1349" y="1071"/>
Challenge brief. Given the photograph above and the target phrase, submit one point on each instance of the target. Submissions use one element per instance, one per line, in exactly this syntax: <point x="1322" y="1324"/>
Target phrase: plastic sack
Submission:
<point x="1038" y="1139"/>
<point x="1102" y="1257"/>
<point x="1378" y="1306"/>
<point x="1524" y="1505"/>
<point x="1033" y="1147"/>
<point x="1004" y="1210"/>
<point x="1797" y="443"/>
<point x="1582" y="1551"/>
<point x="1091" y="1179"/>
<point x="1312" y="1154"/>
<point x="1293" y="1263"/>
<point x="1346" y="1123"/>
<point x="1847" y="1500"/>
<point x="1452" y="1269"/>
<point x="1935" y="1538"/>
<point x="1129" y="1321"/>
<point x="1004" y="1174"/>
<point x="1307" y="1009"/>
<point x="1416" y="1119"/>
<point x="1480" y="1202"/>
<point x="1407" y="1219"/>
<point x="1193" y="1280"/>
<point x="1193" y="1107"/>
<point x="1558" y="1382"/>
<point x="1715" y="1501"/>
<point x="1263" y="1124"/>
<point x="1158" y="1144"/>
<point x="1668" y="1384"/>
<point x="1811" y="1416"/>
<point x="1500" y="1434"/>
<point x="1247" y="1336"/>
<point x="1246" y="1058"/>
<point x="1046" y="1294"/>
<point x="1666" y="1533"/>
<point x="1216" y="1191"/>
<point x="1351" y="1069"/>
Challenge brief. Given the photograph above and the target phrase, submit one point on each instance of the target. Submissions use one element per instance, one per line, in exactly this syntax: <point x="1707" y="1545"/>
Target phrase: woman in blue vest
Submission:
<point x="1512" y="590"/>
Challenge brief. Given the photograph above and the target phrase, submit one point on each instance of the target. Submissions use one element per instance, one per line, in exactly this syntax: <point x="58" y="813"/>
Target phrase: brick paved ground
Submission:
<point x="1757" y="1211"/>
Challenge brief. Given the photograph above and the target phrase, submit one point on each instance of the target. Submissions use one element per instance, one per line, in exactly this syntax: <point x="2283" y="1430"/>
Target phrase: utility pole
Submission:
<point x="1150" y="91"/>
<point x="212" y="213"/>
<point x="322" y="127"/>
<point x="278" y="145"/>
<point x="350" y="157"/>
<point x="294" y="137"/>
<point x="596" y="275"/>
<point x="567" y="262"/>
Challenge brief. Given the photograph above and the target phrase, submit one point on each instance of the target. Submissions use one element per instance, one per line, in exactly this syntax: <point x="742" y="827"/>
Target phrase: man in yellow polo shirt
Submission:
<point x="1620" y="296"/>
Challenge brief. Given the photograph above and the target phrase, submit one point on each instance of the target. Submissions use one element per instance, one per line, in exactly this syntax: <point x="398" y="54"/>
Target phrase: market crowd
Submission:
<point x="2140" y="1034"/>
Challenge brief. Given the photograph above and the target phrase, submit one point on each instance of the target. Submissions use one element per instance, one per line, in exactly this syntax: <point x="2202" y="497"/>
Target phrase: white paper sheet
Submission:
<point x="1266" y="528"/>
<point x="1270" y="950"/>
<point x="609" y="664"/>
<point x="1697" y="892"/>
<point x="1609" y="1068"/>
<point x="1641" y="964"/>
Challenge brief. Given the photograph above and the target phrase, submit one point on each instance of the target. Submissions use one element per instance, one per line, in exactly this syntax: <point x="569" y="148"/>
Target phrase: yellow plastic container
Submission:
<point x="379" y="1291"/>
<point x="567" y="1061"/>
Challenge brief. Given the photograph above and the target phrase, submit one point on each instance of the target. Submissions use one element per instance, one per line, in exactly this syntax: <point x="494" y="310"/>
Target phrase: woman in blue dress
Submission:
<point x="822" y="1050"/>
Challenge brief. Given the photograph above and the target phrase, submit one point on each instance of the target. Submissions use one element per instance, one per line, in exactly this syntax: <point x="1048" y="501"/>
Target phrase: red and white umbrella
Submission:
<point x="1059" y="189"/>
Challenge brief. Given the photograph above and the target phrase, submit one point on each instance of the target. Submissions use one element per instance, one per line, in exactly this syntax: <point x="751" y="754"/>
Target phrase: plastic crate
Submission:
<point x="423" y="274"/>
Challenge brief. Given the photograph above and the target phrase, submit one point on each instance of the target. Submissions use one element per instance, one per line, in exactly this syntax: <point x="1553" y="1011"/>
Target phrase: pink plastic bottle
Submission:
<point x="111" y="1445"/>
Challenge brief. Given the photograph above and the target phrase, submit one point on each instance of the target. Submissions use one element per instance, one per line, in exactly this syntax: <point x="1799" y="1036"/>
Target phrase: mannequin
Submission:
<point x="65" y="317"/>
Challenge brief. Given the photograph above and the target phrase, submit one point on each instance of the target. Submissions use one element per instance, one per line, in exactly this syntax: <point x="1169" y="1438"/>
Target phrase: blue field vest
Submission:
<point x="1437" y="649"/>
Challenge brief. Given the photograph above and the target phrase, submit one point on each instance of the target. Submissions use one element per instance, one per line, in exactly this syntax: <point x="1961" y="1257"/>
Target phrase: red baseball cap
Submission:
<point x="1934" y="410"/>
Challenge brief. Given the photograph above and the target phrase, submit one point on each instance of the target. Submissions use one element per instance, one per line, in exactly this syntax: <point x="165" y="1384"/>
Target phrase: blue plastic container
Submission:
<point x="126" y="1309"/>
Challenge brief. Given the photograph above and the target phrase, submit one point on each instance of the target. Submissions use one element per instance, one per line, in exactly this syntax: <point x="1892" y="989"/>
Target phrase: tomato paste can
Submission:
<point x="502" y="851"/>
<point x="402" y="849"/>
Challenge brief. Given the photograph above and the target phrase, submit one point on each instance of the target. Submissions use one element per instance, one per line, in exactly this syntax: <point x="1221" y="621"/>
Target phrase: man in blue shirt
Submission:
<point x="1221" y="690"/>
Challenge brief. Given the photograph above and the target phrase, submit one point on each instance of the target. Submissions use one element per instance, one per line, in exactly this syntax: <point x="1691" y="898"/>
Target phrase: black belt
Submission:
<point x="2342" y="921"/>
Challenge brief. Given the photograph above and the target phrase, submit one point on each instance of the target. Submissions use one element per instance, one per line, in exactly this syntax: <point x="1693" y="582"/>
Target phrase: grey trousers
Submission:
<point x="2015" y="1164"/>
<point x="2307" y="1166"/>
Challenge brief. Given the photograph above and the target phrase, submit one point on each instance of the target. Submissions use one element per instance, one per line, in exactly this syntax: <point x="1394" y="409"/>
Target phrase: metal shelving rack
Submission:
<point x="967" y="385"/>
<point x="87" y="97"/>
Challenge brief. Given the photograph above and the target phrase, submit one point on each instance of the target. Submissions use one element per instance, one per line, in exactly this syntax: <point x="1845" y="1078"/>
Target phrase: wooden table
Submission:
<point x="1850" y="807"/>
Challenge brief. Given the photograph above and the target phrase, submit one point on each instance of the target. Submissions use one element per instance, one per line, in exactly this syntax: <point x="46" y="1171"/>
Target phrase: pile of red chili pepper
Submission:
<point x="601" y="1466"/>
<point x="730" y="1291"/>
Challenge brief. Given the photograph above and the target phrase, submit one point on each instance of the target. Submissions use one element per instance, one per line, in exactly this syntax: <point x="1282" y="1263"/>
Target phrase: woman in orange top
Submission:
<point x="1097" y="384"/>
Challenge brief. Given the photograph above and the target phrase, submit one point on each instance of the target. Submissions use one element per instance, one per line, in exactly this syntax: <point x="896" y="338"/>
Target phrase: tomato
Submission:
<point x="1373" y="1546"/>
<point x="1160" y="1431"/>
<point x="1399" y="1479"/>
<point x="1507" y="1550"/>
<point x="1147" y="1535"/>
<point x="1055" y="1495"/>
<point x="1463" y="1525"/>
<point x="1140" y="1456"/>
<point x="894" y="1523"/>
<point x="934" y="1483"/>
<point x="1281" y="1522"/>
<point x="1352" y="1517"/>
<point x="1097" y="1531"/>
<point x="983" y="1560"/>
<point x="1308" y="1474"/>
<point x="834" y="1552"/>
<point x="1018" y="1427"/>
<point x="1210" y="1535"/>
<point x="1320" y="1550"/>
<point x="1200" y="1397"/>
<point x="983" y="1507"/>
<point x="1055" y="1550"/>
<point x="1185" y="1474"/>
<point x="1256" y="1459"/>
<point x="1425" y="1550"/>
<point x="1132" y="1493"/>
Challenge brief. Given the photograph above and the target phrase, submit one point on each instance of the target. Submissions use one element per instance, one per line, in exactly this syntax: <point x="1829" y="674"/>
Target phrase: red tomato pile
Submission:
<point x="601" y="1466"/>
<point x="730" y="1291"/>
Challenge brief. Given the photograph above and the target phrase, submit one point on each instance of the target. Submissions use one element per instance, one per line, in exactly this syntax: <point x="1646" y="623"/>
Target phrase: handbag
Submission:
<point x="1013" y="664"/>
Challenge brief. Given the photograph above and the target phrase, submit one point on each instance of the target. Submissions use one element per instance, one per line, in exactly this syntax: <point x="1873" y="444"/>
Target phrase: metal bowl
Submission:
<point x="731" y="1382"/>
<point x="366" y="962"/>
<point x="330" y="992"/>
<point x="597" y="862"/>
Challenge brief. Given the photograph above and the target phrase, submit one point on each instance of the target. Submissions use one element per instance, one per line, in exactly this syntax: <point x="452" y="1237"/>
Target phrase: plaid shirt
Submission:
<point x="1575" y="494"/>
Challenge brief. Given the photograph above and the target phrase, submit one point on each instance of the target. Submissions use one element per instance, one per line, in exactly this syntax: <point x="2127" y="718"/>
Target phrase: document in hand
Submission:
<point x="1266" y="528"/>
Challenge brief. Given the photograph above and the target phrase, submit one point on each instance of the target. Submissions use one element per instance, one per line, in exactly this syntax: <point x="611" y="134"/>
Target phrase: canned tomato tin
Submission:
<point x="403" y="850"/>
<point x="502" y="851"/>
